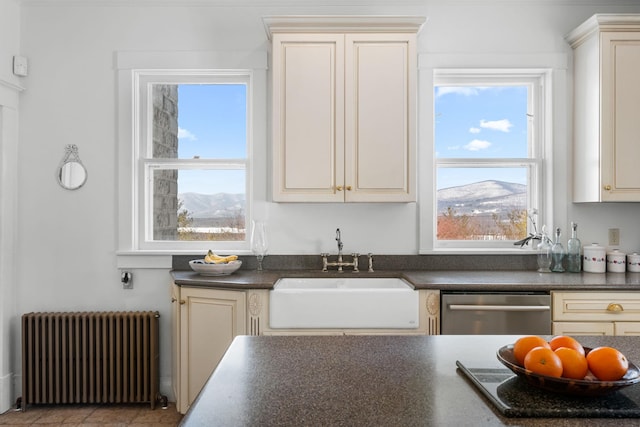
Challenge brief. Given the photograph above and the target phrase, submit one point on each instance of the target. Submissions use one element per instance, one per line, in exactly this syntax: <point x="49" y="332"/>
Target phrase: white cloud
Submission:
<point x="460" y="90"/>
<point x="185" y="134"/>
<point x="503" y="125"/>
<point x="474" y="130"/>
<point x="477" y="145"/>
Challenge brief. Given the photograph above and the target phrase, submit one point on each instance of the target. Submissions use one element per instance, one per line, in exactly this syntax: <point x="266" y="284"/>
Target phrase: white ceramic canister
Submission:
<point x="633" y="262"/>
<point x="616" y="261"/>
<point x="594" y="259"/>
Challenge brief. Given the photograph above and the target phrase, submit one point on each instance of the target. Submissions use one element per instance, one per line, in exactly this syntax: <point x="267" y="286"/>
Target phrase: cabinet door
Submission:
<point x="209" y="320"/>
<point x="627" y="328"/>
<point x="582" y="328"/>
<point x="380" y="117"/>
<point x="620" y="116"/>
<point x="308" y="117"/>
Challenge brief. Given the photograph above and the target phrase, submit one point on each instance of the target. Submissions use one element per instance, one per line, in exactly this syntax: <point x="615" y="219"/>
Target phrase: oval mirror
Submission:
<point x="71" y="172"/>
<point x="72" y="175"/>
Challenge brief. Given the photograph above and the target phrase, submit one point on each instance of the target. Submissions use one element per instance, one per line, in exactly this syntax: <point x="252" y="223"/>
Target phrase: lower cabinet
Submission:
<point x="596" y="313"/>
<point x="204" y="323"/>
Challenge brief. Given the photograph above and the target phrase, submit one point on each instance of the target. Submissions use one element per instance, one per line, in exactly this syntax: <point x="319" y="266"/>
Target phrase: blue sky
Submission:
<point x="480" y="122"/>
<point x="212" y="124"/>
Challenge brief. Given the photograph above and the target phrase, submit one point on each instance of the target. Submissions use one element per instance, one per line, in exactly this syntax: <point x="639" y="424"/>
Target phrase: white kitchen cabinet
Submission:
<point x="596" y="313"/>
<point x="205" y="321"/>
<point x="344" y="109"/>
<point x="606" y="131"/>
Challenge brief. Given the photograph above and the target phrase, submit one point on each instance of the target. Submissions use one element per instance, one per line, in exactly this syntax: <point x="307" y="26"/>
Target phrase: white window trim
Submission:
<point x="550" y="69"/>
<point x="129" y="64"/>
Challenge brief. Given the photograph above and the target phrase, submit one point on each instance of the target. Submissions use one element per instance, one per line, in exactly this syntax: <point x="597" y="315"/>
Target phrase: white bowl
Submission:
<point x="208" y="269"/>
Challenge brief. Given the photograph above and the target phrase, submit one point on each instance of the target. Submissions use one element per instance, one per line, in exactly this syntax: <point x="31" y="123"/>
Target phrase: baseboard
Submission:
<point x="6" y="395"/>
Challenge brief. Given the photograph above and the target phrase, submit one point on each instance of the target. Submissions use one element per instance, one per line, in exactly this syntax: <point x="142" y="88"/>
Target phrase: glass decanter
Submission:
<point x="574" y="261"/>
<point x="557" y="253"/>
<point x="544" y="252"/>
<point x="259" y="241"/>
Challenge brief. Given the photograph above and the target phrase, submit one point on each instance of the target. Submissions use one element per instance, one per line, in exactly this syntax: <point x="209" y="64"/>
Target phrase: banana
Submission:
<point x="217" y="259"/>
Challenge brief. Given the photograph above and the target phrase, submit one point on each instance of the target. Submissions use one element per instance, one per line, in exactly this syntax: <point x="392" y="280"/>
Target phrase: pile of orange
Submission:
<point x="564" y="356"/>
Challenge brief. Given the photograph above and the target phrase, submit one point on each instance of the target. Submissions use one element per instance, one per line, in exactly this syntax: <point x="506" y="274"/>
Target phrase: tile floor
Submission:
<point x="112" y="415"/>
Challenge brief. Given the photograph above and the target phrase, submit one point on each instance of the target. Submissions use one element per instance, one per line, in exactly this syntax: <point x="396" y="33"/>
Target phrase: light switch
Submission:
<point x="20" y="66"/>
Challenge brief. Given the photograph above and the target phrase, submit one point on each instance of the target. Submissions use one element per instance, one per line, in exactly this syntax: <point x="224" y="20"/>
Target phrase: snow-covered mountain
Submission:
<point x="479" y="198"/>
<point x="213" y="205"/>
<point x="485" y="197"/>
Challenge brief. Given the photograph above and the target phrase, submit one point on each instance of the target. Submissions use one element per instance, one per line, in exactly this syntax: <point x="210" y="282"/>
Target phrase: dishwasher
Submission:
<point x="499" y="313"/>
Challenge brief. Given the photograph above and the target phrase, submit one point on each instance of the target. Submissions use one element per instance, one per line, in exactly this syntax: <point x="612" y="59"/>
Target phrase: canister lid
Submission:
<point x="615" y="252"/>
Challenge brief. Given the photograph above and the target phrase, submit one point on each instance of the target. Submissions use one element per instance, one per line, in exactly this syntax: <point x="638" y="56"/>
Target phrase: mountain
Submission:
<point x="213" y="205"/>
<point x="482" y="198"/>
<point x="479" y="198"/>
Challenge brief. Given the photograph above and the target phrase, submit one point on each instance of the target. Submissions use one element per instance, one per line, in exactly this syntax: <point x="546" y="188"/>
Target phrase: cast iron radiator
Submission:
<point x="90" y="357"/>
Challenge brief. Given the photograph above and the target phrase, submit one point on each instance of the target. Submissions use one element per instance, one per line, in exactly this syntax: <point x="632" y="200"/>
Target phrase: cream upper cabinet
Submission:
<point x="606" y="135"/>
<point x="344" y="110"/>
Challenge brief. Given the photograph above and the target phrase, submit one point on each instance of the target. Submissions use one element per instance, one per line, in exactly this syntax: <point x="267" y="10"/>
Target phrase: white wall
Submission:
<point x="65" y="254"/>
<point x="9" y="104"/>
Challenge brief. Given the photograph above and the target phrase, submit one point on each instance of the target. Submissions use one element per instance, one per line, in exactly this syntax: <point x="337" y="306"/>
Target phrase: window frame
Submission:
<point x="145" y="164"/>
<point x="537" y="163"/>
<point x="130" y="66"/>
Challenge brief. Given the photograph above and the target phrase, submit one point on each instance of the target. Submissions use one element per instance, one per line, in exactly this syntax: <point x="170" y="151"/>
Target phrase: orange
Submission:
<point x="543" y="361"/>
<point x="523" y="344"/>
<point x="574" y="364"/>
<point x="566" y="341"/>
<point x="607" y="363"/>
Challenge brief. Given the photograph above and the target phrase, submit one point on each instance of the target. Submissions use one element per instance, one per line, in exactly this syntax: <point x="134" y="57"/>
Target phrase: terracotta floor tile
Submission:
<point x="92" y="415"/>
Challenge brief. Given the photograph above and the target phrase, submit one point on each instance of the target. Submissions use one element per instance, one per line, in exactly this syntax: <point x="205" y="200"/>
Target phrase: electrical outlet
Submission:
<point x="126" y="278"/>
<point x="614" y="237"/>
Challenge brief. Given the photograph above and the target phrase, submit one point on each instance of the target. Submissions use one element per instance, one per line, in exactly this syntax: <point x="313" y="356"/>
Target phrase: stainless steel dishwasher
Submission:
<point x="499" y="313"/>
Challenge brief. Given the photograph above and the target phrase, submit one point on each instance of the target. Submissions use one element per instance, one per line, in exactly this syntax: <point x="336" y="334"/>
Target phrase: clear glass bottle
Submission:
<point x="574" y="261"/>
<point x="557" y="253"/>
<point x="544" y="253"/>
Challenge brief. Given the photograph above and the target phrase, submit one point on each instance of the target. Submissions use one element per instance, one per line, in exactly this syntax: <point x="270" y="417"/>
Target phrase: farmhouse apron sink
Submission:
<point x="318" y="303"/>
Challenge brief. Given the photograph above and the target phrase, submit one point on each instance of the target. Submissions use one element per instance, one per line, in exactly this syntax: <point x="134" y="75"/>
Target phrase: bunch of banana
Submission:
<point x="212" y="258"/>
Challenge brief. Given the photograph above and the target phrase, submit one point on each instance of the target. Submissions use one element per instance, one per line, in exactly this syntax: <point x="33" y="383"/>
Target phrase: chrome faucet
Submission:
<point x="339" y="263"/>
<point x="339" y="240"/>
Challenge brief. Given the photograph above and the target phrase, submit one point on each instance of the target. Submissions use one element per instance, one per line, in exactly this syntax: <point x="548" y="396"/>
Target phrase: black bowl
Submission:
<point x="584" y="387"/>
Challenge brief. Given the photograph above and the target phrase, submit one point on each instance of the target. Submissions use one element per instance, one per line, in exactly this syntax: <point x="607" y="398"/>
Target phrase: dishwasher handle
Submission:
<point x="480" y="307"/>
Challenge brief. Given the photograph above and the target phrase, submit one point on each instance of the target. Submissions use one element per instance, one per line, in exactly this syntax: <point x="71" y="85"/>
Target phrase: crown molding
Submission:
<point x="342" y="23"/>
<point x="603" y="22"/>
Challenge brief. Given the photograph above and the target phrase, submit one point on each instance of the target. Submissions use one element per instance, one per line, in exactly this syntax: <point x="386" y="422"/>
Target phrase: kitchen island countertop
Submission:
<point x="365" y="380"/>
<point x="442" y="280"/>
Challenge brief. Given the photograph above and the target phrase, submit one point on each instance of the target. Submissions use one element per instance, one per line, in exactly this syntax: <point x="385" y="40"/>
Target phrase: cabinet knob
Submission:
<point x="614" y="307"/>
<point x="607" y="187"/>
<point x="173" y="299"/>
<point x="348" y="188"/>
<point x="339" y="187"/>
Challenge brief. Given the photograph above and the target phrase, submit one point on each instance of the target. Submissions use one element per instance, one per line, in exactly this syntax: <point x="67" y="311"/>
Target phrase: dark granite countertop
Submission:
<point x="443" y="280"/>
<point x="370" y="381"/>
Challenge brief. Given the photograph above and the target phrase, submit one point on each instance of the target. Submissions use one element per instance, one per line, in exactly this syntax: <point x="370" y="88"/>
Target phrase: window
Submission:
<point x="488" y="156"/>
<point x="192" y="133"/>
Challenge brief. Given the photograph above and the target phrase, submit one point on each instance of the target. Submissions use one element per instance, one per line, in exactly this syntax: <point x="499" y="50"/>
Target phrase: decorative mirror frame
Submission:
<point x="71" y="173"/>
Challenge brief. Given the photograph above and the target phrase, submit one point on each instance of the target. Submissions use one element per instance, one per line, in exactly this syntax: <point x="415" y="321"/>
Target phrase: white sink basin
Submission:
<point x="349" y="302"/>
